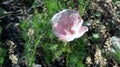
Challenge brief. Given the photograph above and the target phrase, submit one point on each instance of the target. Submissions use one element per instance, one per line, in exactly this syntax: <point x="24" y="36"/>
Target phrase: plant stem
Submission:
<point x="66" y="45"/>
<point x="34" y="52"/>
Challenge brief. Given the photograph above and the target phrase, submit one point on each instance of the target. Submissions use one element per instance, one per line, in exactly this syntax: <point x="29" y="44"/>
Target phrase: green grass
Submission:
<point x="2" y="55"/>
<point x="2" y="52"/>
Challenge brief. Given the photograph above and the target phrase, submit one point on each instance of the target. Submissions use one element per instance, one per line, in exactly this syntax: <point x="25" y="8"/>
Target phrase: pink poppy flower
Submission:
<point x="67" y="25"/>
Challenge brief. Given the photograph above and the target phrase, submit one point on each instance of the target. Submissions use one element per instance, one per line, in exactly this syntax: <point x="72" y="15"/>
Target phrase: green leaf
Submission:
<point x="96" y="36"/>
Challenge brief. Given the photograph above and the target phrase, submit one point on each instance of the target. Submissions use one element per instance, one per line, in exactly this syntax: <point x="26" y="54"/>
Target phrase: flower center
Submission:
<point x="69" y="29"/>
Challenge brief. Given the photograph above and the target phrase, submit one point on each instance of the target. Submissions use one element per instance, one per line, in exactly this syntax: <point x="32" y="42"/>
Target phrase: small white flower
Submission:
<point x="13" y="58"/>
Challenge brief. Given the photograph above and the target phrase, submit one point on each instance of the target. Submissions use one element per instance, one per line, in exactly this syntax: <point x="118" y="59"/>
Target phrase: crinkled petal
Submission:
<point x="58" y="29"/>
<point x="81" y="31"/>
<point x="76" y="27"/>
<point x="67" y="37"/>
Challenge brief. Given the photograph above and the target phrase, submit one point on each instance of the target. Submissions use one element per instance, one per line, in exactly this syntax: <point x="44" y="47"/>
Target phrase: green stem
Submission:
<point x="66" y="45"/>
<point x="34" y="52"/>
<point x="67" y="60"/>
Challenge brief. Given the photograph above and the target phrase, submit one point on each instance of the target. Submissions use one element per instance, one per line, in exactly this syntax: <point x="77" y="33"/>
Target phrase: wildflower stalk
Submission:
<point x="67" y="59"/>
<point x="66" y="45"/>
<point x="34" y="52"/>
